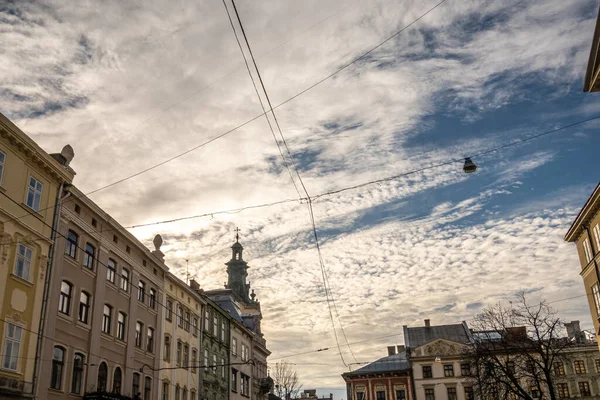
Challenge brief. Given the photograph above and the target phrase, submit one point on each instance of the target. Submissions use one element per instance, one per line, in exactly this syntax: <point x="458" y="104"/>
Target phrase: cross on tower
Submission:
<point x="237" y="234"/>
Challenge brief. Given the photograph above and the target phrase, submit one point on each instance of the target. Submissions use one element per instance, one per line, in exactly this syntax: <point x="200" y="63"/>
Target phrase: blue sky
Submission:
<point x="129" y="85"/>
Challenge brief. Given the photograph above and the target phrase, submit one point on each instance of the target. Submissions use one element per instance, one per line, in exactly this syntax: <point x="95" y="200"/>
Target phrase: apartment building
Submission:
<point x="31" y="182"/>
<point x="215" y="352"/>
<point x="104" y="314"/>
<point x="585" y="233"/>
<point x="181" y="342"/>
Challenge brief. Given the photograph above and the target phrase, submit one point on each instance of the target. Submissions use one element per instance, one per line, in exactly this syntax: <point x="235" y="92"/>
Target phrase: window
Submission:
<point x="23" y="264"/>
<point x="139" y="327"/>
<point x="128" y="249"/>
<point x="579" y="367"/>
<point x="245" y="385"/>
<point x="427" y="371"/>
<point x="77" y="208"/>
<point x="135" y="384"/>
<point x="563" y="390"/>
<point x="64" y="302"/>
<point x="12" y="345"/>
<point x="177" y="390"/>
<point x="360" y="395"/>
<point x="597" y="362"/>
<point x="102" y="377"/>
<point x="169" y="312"/>
<point x="106" y="319"/>
<point x="84" y="307"/>
<point x="193" y="395"/>
<point x="111" y="268"/>
<point x="206" y="321"/>
<point x="596" y="294"/>
<point x="88" y="256"/>
<point x="429" y="394"/>
<point x="215" y="326"/>
<point x="184" y="393"/>
<point x="117" y="378"/>
<point x="596" y="228"/>
<point x="205" y="360"/>
<point x="152" y="300"/>
<point x="587" y="250"/>
<point x="380" y="395"/>
<point x="141" y="291"/>
<point x="121" y="324"/>
<point x="124" y="279"/>
<point x="451" y="393"/>
<point x="223" y="365"/>
<point x="180" y="316"/>
<point x="234" y="346"/>
<point x="234" y="385"/>
<point x="214" y="366"/>
<point x="186" y="355"/>
<point x="195" y="326"/>
<point x="72" y="239"/>
<point x="179" y="351"/>
<point x="165" y="391"/>
<point x="186" y="325"/>
<point x="150" y="340"/>
<point x="584" y="389"/>
<point x="167" y="351"/>
<point x="469" y="393"/>
<point x="223" y="331"/>
<point x="58" y="362"/>
<point x="94" y="223"/>
<point x="535" y="393"/>
<point x="400" y="394"/>
<point x="194" y="360"/>
<point x="34" y="194"/>
<point x="448" y="370"/>
<point x="115" y="239"/>
<point x="147" y="388"/>
<point x="559" y="368"/>
<point x="77" y="376"/>
<point x="465" y="369"/>
<point x="2" y="159"/>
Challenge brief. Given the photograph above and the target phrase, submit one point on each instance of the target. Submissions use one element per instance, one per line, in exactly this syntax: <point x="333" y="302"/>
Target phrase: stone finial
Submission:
<point x="158" y="241"/>
<point x="253" y="295"/>
<point x="68" y="153"/>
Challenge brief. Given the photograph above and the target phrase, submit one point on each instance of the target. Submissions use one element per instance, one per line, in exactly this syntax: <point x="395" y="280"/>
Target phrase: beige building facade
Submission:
<point x="31" y="181"/>
<point x="585" y="233"/>
<point x="104" y="313"/>
<point x="181" y="341"/>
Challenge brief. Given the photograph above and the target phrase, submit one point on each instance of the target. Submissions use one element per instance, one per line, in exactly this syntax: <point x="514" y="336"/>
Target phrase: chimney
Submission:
<point x="574" y="332"/>
<point x="401" y="348"/>
<point x="516" y="333"/>
<point x="194" y="285"/>
<point x="391" y="350"/>
<point x="427" y="323"/>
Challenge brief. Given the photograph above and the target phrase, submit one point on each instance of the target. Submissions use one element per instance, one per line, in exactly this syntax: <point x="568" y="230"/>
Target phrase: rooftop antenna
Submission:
<point x="187" y="271"/>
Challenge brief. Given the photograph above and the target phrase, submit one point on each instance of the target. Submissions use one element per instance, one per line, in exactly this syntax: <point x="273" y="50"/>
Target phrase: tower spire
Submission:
<point x="237" y="234"/>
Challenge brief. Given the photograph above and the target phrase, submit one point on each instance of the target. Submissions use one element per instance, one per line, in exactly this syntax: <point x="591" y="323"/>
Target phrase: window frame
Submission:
<point x="124" y="280"/>
<point x="169" y="310"/>
<point x="122" y="326"/>
<point x="587" y="391"/>
<point x="559" y="368"/>
<point x="147" y="388"/>
<point x="587" y="250"/>
<point x="429" y="374"/>
<point x="380" y="395"/>
<point x="135" y="384"/>
<point x="117" y="388"/>
<point x="579" y="367"/>
<point x="152" y="298"/>
<point x="195" y="326"/>
<point x="89" y="257"/>
<point x="448" y="370"/>
<point x="2" y="163"/>
<point x="562" y="389"/>
<point x="595" y="230"/>
<point x="77" y="373"/>
<point x="111" y="270"/>
<point x="429" y="394"/>
<point x="139" y="338"/>
<point x="150" y="339"/>
<point x="167" y="348"/>
<point x="11" y="341"/>
<point x="102" y="385"/>
<point x="58" y="365"/>
<point x="451" y="392"/>
<point x="35" y="195"/>
<point x="107" y="319"/>
<point x="141" y="295"/>
<point x="83" y="315"/>
<point x="23" y="262"/>
<point x="64" y="300"/>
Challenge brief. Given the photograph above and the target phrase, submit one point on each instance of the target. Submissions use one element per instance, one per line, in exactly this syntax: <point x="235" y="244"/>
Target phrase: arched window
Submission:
<point x="139" y="327"/>
<point x="177" y="391"/>
<point x="64" y="302"/>
<point x="193" y="395"/>
<point x="169" y="312"/>
<point x="135" y="385"/>
<point x="84" y="307"/>
<point x="121" y="325"/>
<point x="111" y="267"/>
<point x="167" y="350"/>
<point x="152" y="301"/>
<point x="102" y="376"/>
<point x="141" y="291"/>
<point x="58" y="362"/>
<point x="150" y="340"/>
<point x="124" y="279"/>
<point x="88" y="256"/>
<point x="107" y="319"/>
<point x="72" y="239"/>
<point x="184" y="394"/>
<point x="147" y="388"/>
<point x="77" y="376"/>
<point x="116" y="387"/>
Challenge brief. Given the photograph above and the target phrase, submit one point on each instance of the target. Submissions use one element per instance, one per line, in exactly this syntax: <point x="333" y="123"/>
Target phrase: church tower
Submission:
<point x="237" y="271"/>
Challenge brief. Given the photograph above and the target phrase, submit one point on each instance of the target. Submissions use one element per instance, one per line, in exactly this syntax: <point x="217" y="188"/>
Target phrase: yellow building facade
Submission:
<point x="585" y="233"/>
<point x="31" y="181"/>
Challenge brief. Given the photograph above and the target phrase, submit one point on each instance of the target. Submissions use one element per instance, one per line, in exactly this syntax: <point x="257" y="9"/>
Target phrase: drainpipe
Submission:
<point x="47" y="281"/>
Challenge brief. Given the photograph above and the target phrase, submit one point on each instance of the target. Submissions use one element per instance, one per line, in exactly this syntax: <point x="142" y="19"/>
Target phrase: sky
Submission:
<point x="132" y="84"/>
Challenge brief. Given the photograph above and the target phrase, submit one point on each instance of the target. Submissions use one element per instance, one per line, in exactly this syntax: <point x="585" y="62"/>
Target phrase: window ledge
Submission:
<point x="106" y="336"/>
<point x="82" y="325"/>
<point x="21" y="280"/>
<point x="11" y="371"/>
<point x="88" y="271"/>
<point x="64" y="317"/>
<point x="52" y="390"/>
<point x="121" y="342"/>
<point x="71" y="260"/>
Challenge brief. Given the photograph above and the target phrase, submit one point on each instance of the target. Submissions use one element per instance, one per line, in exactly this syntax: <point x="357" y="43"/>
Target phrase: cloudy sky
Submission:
<point x="132" y="84"/>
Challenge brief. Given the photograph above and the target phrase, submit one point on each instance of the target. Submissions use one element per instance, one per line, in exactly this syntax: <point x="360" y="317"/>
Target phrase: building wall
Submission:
<point x="367" y="386"/>
<point x="215" y="342"/>
<point x="68" y="331"/>
<point x="23" y="228"/>
<point x="241" y="347"/>
<point x="590" y="356"/>
<point x="176" y="329"/>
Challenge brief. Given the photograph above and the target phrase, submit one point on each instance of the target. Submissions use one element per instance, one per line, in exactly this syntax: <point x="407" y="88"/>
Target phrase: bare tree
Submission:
<point x="287" y="383"/>
<point x="515" y="350"/>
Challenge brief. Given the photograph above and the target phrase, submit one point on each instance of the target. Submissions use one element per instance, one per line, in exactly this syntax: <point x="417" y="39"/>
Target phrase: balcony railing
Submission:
<point x="14" y="385"/>
<point x="105" y="396"/>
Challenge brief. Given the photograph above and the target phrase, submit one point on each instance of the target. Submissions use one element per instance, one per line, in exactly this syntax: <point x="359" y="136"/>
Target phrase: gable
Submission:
<point x="440" y="347"/>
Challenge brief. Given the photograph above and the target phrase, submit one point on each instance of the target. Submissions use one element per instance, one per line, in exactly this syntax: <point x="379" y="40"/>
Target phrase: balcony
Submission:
<point x="15" y="386"/>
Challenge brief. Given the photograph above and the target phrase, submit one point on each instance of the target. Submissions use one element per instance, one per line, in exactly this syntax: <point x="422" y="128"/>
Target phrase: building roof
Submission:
<point x="592" y="75"/>
<point x="591" y="206"/>
<point x="395" y="362"/>
<point x="418" y="336"/>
